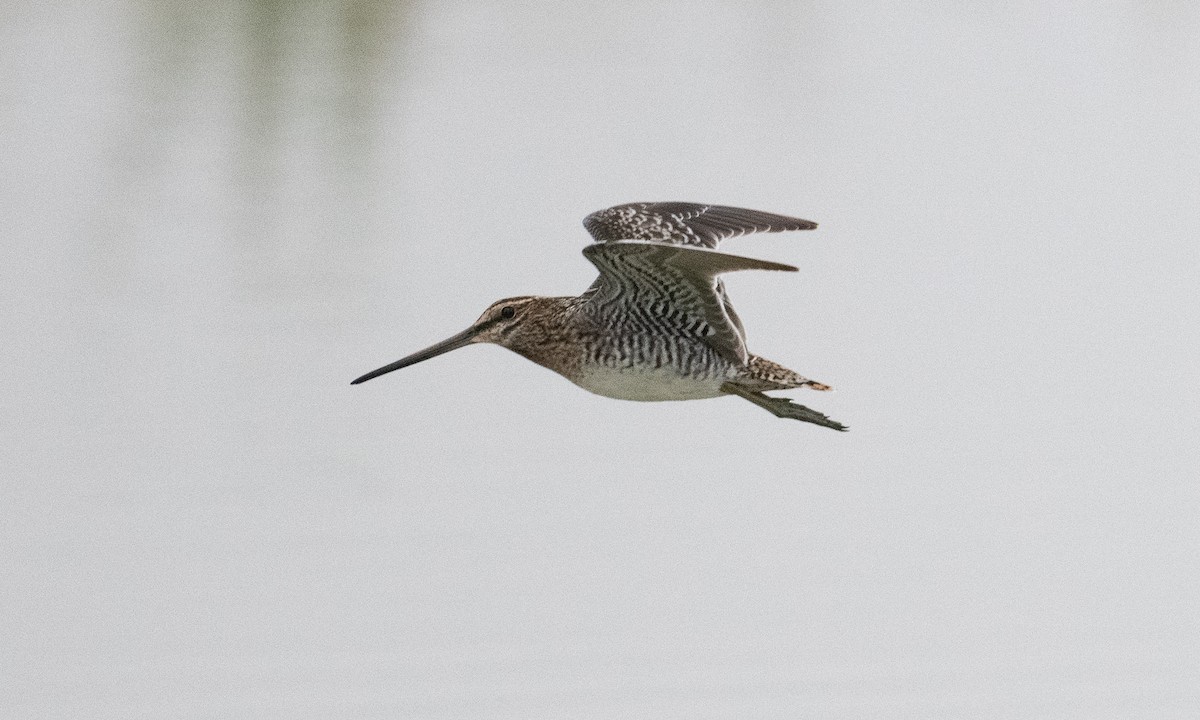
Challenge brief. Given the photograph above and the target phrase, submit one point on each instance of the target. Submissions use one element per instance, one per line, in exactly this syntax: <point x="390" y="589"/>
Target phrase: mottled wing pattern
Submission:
<point x="680" y="223"/>
<point x="670" y="289"/>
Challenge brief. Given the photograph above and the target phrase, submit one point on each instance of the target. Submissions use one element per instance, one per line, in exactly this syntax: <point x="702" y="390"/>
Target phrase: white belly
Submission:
<point x="648" y="384"/>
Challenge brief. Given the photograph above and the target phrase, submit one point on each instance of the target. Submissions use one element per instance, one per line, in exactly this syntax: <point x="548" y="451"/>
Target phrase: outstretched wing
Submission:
<point x="680" y="223"/>
<point x="671" y="288"/>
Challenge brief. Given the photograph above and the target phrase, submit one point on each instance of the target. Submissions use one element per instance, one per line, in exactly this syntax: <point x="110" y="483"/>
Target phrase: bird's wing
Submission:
<point x="672" y="288"/>
<point x="680" y="223"/>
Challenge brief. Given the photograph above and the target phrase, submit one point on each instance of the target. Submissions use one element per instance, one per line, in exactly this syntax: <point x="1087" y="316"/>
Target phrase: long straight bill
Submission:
<point x="452" y="343"/>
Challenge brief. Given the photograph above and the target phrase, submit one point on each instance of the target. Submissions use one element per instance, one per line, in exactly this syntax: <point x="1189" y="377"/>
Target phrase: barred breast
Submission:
<point x="653" y="368"/>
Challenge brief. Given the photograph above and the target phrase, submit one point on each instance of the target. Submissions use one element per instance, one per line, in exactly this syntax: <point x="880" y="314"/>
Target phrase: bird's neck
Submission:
<point x="548" y="335"/>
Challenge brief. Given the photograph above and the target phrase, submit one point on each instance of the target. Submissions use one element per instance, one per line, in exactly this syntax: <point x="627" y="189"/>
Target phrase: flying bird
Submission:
<point x="657" y="324"/>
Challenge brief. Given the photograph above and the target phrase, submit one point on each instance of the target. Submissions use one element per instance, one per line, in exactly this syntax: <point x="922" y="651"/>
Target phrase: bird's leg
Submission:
<point x="783" y="407"/>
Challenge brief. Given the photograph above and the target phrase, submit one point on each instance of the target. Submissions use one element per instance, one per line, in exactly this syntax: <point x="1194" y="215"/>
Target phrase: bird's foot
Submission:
<point x="784" y="407"/>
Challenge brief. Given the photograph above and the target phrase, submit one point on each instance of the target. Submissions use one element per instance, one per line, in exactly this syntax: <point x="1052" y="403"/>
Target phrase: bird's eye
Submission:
<point x="507" y="312"/>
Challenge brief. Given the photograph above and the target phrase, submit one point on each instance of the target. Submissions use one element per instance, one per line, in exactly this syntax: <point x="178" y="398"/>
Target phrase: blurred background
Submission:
<point x="216" y="214"/>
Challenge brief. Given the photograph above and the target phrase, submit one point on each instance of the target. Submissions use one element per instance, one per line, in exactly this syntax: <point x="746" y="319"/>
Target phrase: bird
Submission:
<point x="657" y="324"/>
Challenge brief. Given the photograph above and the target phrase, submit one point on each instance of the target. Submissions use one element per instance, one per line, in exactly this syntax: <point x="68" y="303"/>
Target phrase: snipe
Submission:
<point x="657" y="323"/>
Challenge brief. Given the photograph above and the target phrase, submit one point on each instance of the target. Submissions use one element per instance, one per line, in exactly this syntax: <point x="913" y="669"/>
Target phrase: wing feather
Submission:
<point x="680" y="223"/>
<point x="679" y="284"/>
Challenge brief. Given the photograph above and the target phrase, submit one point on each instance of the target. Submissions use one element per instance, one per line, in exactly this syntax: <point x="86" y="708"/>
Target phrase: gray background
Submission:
<point x="218" y="213"/>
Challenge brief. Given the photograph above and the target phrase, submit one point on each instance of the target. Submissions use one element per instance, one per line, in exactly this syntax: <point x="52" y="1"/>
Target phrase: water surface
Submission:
<point x="218" y="214"/>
